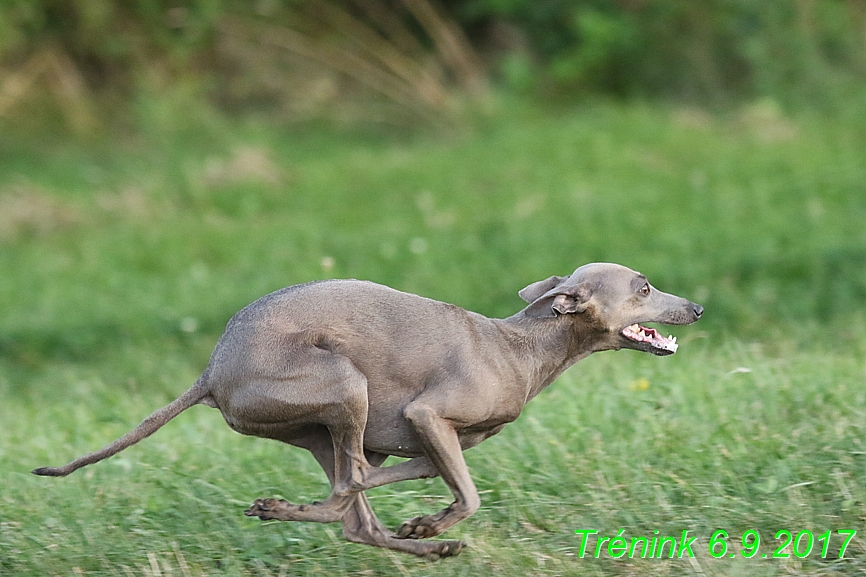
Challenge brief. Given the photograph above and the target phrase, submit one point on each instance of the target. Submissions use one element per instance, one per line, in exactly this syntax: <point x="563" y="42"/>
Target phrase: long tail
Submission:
<point x="195" y="395"/>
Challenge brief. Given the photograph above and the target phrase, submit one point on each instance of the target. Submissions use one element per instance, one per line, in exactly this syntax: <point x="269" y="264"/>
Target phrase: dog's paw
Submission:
<point x="267" y="509"/>
<point x="417" y="528"/>
<point x="407" y="529"/>
<point x="446" y="549"/>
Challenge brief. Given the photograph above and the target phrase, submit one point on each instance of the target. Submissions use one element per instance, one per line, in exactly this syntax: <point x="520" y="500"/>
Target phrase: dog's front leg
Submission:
<point x="442" y="446"/>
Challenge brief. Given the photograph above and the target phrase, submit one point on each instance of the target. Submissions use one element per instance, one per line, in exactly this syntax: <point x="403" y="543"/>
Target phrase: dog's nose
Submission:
<point x="699" y="310"/>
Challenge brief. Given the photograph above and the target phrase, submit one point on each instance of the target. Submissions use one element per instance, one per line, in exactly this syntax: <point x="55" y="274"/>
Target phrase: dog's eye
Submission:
<point x="645" y="290"/>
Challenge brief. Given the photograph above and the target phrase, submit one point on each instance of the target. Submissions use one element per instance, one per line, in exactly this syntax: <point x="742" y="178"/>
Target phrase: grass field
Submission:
<point x="121" y="261"/>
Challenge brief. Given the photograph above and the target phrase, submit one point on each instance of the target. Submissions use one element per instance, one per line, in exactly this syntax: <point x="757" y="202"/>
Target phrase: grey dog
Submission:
<point x="355" y="371"/>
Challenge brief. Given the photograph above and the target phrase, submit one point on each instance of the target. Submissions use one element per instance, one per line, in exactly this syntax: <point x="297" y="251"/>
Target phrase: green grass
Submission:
<point x="121" y="262"/>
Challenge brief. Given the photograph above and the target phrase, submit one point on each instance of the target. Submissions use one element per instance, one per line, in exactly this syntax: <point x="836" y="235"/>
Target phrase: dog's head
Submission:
<point x="615" y="301"/>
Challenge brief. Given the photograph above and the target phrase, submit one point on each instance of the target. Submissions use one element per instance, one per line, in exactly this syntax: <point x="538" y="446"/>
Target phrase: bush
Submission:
<point x="706" y="51"/>
<point x="413" y="54"/>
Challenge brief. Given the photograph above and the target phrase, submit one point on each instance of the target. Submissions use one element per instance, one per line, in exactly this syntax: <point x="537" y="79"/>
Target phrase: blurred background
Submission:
<point x="163" y="163"/>
<point x="458" y="149"/>
<point x="89" y="62"/>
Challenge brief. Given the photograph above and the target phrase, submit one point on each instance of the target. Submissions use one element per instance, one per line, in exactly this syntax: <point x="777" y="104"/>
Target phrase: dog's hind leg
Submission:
<point x="360" y="524"/>
<point x="318" y="390"/>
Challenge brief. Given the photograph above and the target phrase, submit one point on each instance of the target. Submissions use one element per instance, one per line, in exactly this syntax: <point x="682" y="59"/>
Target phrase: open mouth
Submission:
<point x="650" y="340"/>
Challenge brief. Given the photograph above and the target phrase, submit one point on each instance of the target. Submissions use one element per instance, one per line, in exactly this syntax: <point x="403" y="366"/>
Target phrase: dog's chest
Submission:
<point x="471" y="436"/>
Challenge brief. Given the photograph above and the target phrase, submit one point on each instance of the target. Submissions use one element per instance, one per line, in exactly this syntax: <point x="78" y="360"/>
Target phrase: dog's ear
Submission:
<point x="536" y="289"/>
<point x="562" y="300"/>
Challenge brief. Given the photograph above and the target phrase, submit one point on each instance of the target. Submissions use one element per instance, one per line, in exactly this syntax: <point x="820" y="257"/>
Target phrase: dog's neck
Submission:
<point x="547" y="347"/>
